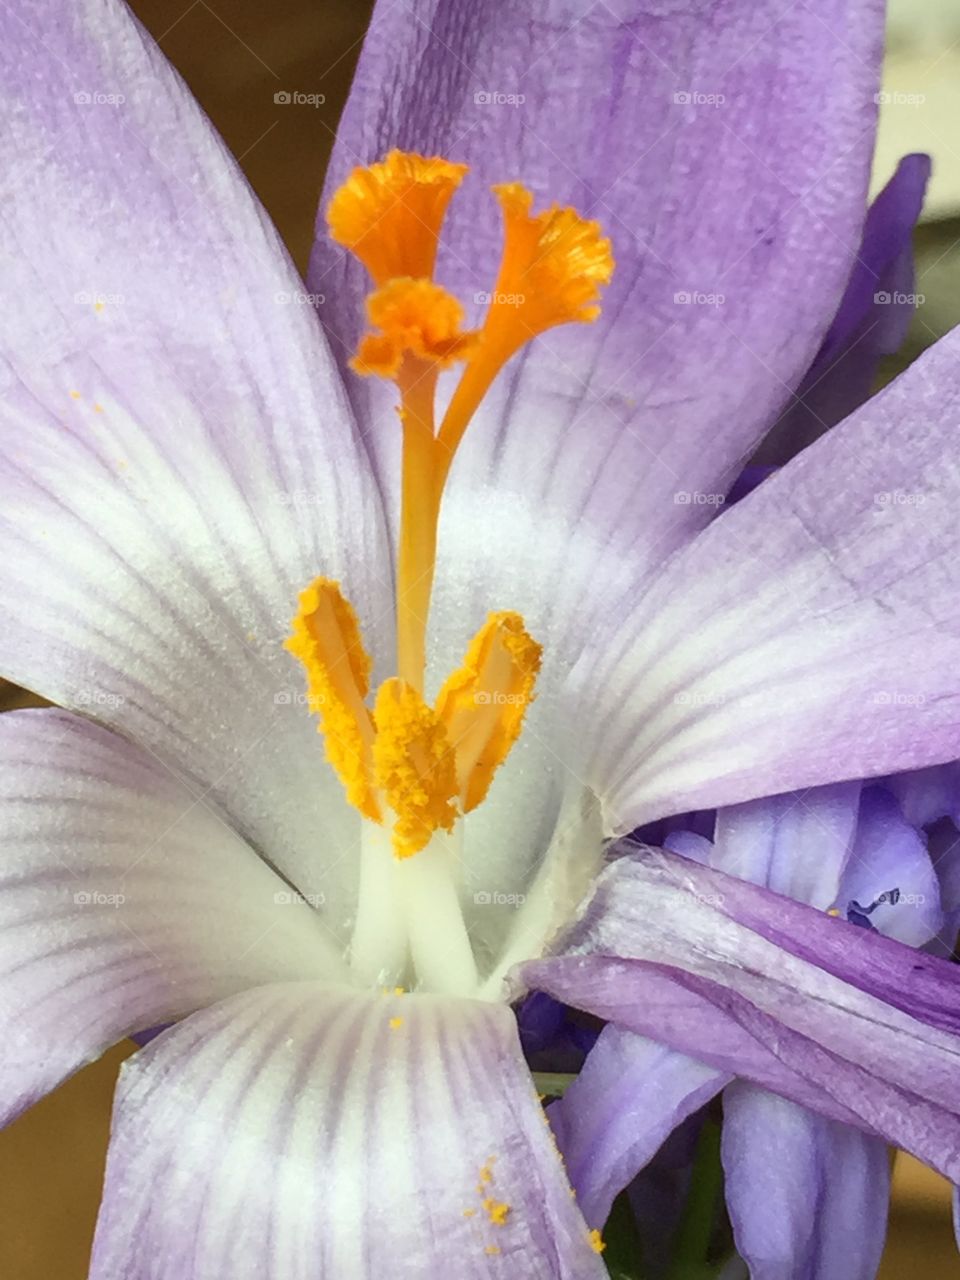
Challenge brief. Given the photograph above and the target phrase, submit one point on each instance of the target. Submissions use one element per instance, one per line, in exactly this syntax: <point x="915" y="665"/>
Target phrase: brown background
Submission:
<point x="236" y="55"/>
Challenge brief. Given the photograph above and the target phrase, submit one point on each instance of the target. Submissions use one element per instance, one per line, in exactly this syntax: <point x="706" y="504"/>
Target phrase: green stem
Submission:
<point x="696" y="1225"/>
<point x="552" y="1084"/>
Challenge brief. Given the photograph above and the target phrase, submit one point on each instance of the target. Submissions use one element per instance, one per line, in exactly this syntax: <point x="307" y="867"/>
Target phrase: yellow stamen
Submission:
<point x="390" y="214"/>
<point x="597" y="1243"/>
<point x="418" y="319"/>
<point x="326" y="639"/>
<point x="482" y="705"/>
<point x="552" y="267"/>
<point x="414" y="766"/>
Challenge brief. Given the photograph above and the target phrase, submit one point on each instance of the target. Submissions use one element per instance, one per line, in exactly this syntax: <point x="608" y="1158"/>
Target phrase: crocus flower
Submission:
<point x="187" y="466"/>
<point x="807" y="1194"/>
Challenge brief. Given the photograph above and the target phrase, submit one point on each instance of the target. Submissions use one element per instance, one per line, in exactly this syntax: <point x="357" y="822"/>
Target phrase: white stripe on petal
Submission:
<point x="303" y="1132"/>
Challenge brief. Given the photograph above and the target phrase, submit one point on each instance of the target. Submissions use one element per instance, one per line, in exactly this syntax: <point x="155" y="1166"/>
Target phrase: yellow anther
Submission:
<point x="482" y="705"/>
<point x="390" y="214"/>
<point x="597" y="1243"/>
<point x="417" y="320"/>
<point x="414" y="766"/>
<point x="326" y="639"/>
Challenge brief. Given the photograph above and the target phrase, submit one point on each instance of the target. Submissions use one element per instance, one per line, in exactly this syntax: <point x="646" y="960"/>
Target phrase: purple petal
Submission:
<point x="725" y="148"/>
<point x="838" y="847"/>
<point x="891" y="868"/>
<point x="631" y="1094"/>
<point x="299" y="1130"/>
<point x="845" y="1022"/>
<point x="872" y="320"/>
<point x="796" y="844"/>
<point x="807" y="1196"/>
<point x="779" y="650"/>
<point x="928" y="794"/>
<point x="178" y="463"/>
<point x="124" y="902"/>
<point x="689" y="845"/>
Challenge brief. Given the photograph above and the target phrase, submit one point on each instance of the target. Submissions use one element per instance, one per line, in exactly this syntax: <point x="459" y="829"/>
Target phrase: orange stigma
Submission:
<point x="390" y="214"/>
<point x="552" y="268"/>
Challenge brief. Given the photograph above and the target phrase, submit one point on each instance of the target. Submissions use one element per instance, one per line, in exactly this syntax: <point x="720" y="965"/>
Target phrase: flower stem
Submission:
<point x="696" y="1228"/>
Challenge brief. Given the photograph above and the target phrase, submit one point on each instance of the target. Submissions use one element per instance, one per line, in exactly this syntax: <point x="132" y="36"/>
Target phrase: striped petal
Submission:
<point x="845" y="1022"/>
<point x="125" y="901"/>
<point x="630" y="1096"/>
<point x="807" y="1196"/>
<point x="177" y="458"/>
<point x="778" y="651"/>
<point x="299" y="1131"/>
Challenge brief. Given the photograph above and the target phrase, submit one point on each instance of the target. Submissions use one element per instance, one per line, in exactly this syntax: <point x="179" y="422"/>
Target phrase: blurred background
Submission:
<point x="236" y="55"/>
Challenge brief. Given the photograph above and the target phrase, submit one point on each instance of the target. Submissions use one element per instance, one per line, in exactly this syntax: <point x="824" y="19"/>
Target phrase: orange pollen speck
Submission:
<point x="496" y="1211"/>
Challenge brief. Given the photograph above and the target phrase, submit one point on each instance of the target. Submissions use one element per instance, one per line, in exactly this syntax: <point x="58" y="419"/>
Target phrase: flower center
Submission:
<point x="408" y="764"/>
